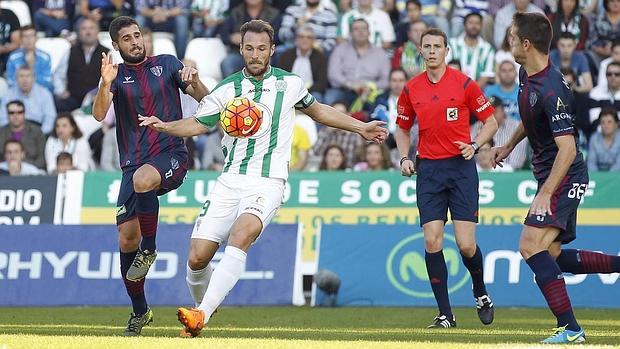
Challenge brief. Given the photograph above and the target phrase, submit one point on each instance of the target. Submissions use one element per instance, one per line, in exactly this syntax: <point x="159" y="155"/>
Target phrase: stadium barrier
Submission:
<point x="53" y="265"/>
<point x="384" y="266"/>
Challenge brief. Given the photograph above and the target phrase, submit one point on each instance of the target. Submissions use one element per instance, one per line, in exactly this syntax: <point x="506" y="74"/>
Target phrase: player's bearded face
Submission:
<point x="516" y="47"/>
<point x="135" y="53"/>
<point x="256" y="51"/>
<point x="131" y="44"/>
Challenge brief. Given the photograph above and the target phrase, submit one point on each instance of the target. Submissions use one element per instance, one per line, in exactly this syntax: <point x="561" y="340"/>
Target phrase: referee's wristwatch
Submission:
<point x="475" y="146"/>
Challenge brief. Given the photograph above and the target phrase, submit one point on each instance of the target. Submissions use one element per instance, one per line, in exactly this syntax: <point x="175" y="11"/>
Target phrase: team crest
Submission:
<point x="157" y="70"/>
<point x="533" y="99"/>
<point x="452" y="114"/>
<point x="174" y="163"/>
<point x="280" y="85"/>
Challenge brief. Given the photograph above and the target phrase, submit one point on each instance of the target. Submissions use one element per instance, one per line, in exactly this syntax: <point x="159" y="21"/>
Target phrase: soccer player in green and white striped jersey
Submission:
<point x="251" y="187"/>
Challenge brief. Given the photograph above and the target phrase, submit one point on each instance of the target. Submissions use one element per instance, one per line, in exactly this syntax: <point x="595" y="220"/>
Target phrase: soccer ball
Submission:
<point x="241" y="118"/>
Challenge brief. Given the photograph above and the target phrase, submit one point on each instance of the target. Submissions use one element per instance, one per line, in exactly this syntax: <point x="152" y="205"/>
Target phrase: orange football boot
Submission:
<point x="192" y="319"/>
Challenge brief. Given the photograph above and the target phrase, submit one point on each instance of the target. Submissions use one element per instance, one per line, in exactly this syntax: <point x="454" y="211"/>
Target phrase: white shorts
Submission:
<point x="233" y="195"/>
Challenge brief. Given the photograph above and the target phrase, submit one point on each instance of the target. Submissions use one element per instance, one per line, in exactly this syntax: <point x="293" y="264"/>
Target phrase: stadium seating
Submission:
<point x="163" y="45"/>
<point x="20" y="9"/>
<point x="105" y="40"/>
<point x="55" y="47"/>
<point x="208" y="53"/>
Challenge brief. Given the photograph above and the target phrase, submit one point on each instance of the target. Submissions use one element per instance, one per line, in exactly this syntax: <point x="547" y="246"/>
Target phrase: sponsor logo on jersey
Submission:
<point x="403" y="117"/>
<point x="560" y="104"/>
<point x="561" y="116"/>
<point x="128" y="80"/>
<point x="483" y="107"/>
<point x="157" y="70"/>
<point x="480" y="100"/>
<point x="254" y="90"/>
<point x="452" y="114"/>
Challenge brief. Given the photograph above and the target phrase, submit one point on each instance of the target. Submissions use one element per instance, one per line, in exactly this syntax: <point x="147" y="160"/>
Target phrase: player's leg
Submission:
<point x="534" y="247"/>
<point x="199" y="269"/>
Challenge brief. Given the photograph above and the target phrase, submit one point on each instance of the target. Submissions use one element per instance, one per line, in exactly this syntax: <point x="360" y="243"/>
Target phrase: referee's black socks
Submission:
<point x="475" y="266"/>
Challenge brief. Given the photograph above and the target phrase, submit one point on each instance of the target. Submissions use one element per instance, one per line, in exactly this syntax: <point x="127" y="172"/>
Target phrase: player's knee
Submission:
<point x="241" y="239"/>
<point x="527" y="246"/>
<point x="128" y="242"/>
<point x="142" y="184"/>
<point x="467" y="249"/>
<point x="197" y="262"/>
<point x="433" y="243"/>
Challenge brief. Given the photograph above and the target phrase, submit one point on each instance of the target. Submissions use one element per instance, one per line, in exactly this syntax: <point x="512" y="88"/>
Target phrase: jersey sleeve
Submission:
<point x="559" y="111"/>
<point x="176" y="65"/>
<point x="476" y="101"/>
<point x="303" y="97"/>
<point x="406" y="113"/>
<point x="208" y="112"/>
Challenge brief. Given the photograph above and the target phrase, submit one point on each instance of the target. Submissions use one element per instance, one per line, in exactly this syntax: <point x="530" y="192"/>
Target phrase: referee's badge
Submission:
<point x="452" y="114"/>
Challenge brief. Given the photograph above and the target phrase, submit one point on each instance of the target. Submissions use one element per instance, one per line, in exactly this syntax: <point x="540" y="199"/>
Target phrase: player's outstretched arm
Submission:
<point x="180" y="128"/>
<point x="103" y="100"/>
<point x="196" y="88"/>
<point x="325" y="114"/>
<point x="498" y="154"/>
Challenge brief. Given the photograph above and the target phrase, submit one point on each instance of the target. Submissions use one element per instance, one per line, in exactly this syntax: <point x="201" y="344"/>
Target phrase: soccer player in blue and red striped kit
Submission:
<point x="547" y="109"/>
<point x="442" y="99"/>
<point x="153" y="163"/>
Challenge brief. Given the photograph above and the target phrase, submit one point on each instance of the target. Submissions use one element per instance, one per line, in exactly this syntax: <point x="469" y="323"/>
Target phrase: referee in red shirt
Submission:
<point x="442" y="99"/>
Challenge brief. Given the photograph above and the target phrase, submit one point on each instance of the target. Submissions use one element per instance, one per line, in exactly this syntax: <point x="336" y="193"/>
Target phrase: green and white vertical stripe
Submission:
<point x="476" y="62"/>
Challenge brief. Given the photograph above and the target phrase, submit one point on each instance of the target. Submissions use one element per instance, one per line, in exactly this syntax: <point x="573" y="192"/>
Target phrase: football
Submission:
<point x="241" y="118"/>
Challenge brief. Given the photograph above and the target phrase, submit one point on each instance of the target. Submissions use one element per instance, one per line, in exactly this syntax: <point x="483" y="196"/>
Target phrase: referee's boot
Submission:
<point x="443" y="321"/>
<point x="484" y="307"/>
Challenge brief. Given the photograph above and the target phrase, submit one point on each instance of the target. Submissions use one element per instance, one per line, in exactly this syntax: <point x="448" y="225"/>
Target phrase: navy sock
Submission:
<point x="438" y="276"/>
<point x="551" y="282"/>
<point x="135" y="290"/>
<point x="147" y="208"/>
<point x="587" y="262"/>
<point x="474" y="265"/>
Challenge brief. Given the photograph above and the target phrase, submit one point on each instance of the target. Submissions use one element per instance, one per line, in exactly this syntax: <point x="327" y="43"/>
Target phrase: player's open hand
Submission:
<point x="108" y="68"/>
<point x="498" y="154"/>
<point x="374" y="131"/>
<point x="189" y="75"/>
<point x="541" y="206"/>
<point x="153" y="122"/>
<point x="467" y="150"/>
<point x="407" y="168"/>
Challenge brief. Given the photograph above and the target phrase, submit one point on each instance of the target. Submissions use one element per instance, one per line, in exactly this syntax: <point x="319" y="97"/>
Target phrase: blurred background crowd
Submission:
<point x="50" y="65"/>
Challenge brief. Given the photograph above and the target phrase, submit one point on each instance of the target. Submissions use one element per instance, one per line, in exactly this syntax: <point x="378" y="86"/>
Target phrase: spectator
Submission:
<point x="504" y="54"/>
<point x="384" y="107"/>
<point x="504" y="17"/>
<point x="300" y="147"/>
<point x="486" y="163"/>
<point x="463" y="8"/>
<point x="207" y="16"/>
<point x="109" y="151"/>
<point x="376" y="158"/>
<point x="604" y="152"/>
<point x="53" y="16"/>
<point x="435" y="13"/>
<point x="455" y="64"/>
<point x="381" y="31"/>
<point x="307" y="61"/>
<point x="568" y="18"/>
<point x="615" y="57"/>
<point x="606" y="96"/>
<point x="29" y="55"/>
<point x="147" y="35"/>
<point x="231" y="36"/>
<point x="349" y="142"/>
<point x="408" y="56"/>
<point x="64" y="163"/>
<point x="102" y="12"/>
<point x="496" y="5"/>
<point x="565" y="56"/>
<point x="38" y="100"/>
<point x="604" y="30"/>
<point x="356" y="67"/>
<point x="67" y="137"/>
<point x="9" y="36"/>
<point x="28" y="133"/>
<point x="80" y="69"/>
<point x="170" y="16"/>
<point x="506" y="127"/>
<point x="414" y="14"/>
<point x="322" y="21"/>
<point x="507" y="89"/>
<point x="333" y="159"/>
<point x="212" y="156"/>
<point x="14" y="163"/>
<point x="475" y="54"/>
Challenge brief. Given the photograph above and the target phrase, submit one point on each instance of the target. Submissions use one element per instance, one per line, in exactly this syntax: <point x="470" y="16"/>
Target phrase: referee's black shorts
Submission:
<point x="447" y="183"/>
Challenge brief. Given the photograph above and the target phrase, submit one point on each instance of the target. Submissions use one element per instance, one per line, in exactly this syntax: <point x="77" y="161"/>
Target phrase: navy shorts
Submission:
<point x="447" y="184"/>
<point x="564" y="204"/>
<point x="172" y="167"/>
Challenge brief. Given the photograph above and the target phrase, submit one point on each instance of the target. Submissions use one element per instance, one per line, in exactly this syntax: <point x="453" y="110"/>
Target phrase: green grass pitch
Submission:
<point x="296" y="327"/>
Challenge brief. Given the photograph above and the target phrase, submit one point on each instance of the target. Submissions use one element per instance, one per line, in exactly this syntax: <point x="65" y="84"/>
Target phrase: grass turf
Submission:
<point x="292" y="327"/>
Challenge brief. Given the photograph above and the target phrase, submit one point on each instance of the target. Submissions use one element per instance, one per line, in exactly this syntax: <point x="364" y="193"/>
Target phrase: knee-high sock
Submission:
<point x="551" y="282"/>
<point x="475" y="266"/>
<point x="197" y="282"/>
<point x="588" y="262"/>
<point x="135" y="290"/>
<point x="147" y="209"/>
<point x="438" y="276"/>
<point x="224" y="278"/>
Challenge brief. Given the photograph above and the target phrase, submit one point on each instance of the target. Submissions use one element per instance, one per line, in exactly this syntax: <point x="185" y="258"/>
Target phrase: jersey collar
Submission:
<point x="268" y="74"/>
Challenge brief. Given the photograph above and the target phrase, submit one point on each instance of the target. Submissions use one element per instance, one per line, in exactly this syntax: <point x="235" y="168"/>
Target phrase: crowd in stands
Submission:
<point x="355" y="55"/>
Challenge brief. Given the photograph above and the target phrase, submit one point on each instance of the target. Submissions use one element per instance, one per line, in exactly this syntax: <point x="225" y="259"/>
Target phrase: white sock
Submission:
<point x="197" y="282"/>
<point x="224" y="278"/>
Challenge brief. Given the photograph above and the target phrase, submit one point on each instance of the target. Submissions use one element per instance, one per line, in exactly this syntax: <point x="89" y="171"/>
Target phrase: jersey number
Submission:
<point x="205" y="207"/>
<point x="577" y="191"/>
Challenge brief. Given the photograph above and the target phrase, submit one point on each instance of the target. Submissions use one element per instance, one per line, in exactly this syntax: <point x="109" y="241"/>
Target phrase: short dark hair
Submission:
<point x="360" y="19"/>
<point x="455" y="62"/>
<point x="77" y="133"/>
<point x="435" y="32"/>
<point x="567" y="35"/>
<point x="16" y="102"/>
<point x="608" y="111"/>
<point x="257" y="26"/>
<point x="63" y="155"/>
<point x="396" y="70"/>
<point x="415" y="2"/>
<point x="535" y="28"/>
<point x="474" y="13"/>
<point x="12" y="140"/>
<point x="27" y="27"/>
<point x="119" y="23"/>
<point x="612" y="63"/>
